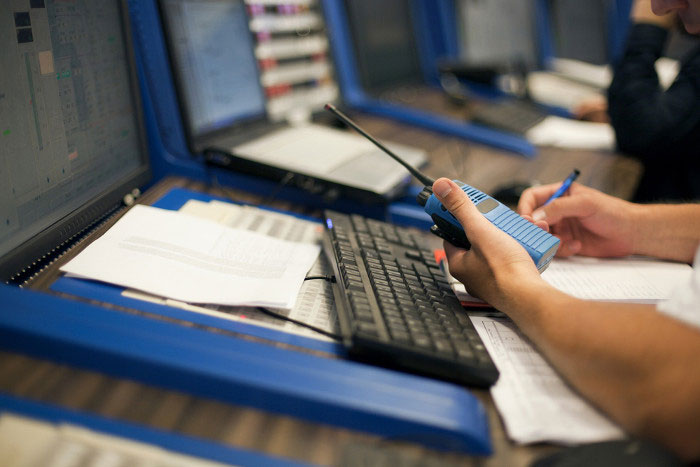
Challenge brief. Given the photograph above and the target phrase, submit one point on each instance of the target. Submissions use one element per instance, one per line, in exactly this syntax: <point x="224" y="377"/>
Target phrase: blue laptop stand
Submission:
<point x="237" y="371"/>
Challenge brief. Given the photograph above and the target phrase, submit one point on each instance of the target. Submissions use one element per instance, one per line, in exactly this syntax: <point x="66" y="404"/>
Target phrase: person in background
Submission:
<point x="659" y="127"/>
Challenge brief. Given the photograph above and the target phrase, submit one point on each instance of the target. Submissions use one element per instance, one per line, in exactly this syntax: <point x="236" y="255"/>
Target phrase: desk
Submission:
<point x="285" y="436"/>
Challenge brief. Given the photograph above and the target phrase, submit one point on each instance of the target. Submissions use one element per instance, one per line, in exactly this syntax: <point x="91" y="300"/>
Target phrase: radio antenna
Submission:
<point x="424" y="179"/>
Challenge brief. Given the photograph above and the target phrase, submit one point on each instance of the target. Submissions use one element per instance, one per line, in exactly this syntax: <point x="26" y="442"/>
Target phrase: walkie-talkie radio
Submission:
<point x="540" y="244"/>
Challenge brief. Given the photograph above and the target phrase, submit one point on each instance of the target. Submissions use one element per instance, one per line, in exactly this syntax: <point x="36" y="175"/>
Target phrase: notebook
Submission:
<point x="225" y="105"/>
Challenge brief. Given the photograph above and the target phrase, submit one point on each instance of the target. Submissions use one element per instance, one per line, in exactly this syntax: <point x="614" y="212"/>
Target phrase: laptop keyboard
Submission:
<point x="509" y="115"/>
<point x="395" y="306"/>
<point x="313" y="148"/>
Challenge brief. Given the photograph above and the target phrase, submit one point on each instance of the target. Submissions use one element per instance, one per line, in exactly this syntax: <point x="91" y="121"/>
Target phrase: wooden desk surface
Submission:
<point x="283" y="436"/>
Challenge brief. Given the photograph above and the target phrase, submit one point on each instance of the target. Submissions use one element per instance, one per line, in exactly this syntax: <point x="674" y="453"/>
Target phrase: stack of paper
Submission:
<point x="186" y="258"/>
<point x="632" y="279"/>
<point x="574" y="134"/>
<point x="314" y="305"/>
<point x="535" y="403"/>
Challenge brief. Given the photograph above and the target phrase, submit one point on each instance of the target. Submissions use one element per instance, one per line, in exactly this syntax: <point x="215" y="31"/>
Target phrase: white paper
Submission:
<point x="28" y="442"/>
<point x="175" y="255"/>
<point x="632" y="279"/>
<point x="315" y="304"/>
<point x="263" y="221"/>
<point x="549" y="88"/>
<point x="601" y="76"/>
<point x="535" y="403"/>
<point x="575" y="134"/>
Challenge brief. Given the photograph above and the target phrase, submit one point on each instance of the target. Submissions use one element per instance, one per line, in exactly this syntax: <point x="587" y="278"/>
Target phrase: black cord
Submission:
<point x="274" y="314"/>
<point x="326" y="278"/>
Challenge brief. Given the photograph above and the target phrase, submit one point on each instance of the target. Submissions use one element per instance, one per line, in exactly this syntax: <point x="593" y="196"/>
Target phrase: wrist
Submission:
<point x="640" y="219"/>
<point x="533" y="305"/>
<point x="522" y="296"/>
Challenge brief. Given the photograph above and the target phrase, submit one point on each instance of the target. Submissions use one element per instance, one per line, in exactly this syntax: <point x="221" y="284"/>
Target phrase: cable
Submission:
<point x="274" y="314"/>
<point x="327" y="278"/>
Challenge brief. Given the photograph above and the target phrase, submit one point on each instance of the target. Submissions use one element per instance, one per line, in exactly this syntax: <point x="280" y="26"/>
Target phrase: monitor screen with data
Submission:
<point x="215" y="67"/>
<point x="497" y="32"/>
<point x="70" y="131"/>
<point x="384" y="42"/>
<point x="580" y="29"/>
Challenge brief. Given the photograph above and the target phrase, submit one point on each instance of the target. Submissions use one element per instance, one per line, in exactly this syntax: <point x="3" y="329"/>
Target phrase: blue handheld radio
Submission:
<point x="540" y="244"/>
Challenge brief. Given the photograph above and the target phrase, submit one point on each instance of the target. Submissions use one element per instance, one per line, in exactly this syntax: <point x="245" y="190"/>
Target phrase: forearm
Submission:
<point x="629" y="360"/>
<point x="666" y="231"/>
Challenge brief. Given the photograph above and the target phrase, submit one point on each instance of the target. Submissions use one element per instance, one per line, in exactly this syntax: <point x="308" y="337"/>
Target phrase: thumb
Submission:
<point x="458" y="203"/>
<point x="560" y="208"/>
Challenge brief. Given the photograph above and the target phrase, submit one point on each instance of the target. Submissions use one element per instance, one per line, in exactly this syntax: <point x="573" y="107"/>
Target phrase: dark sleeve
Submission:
<point x="645" y="117"/>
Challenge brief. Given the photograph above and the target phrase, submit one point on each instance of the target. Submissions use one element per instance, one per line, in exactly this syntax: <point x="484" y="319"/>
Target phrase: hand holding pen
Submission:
<point x="588" y="222"/>
<point x="564" y="186"/>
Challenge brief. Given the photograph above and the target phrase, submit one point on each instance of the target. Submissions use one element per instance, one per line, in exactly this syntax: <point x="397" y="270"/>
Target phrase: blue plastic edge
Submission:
<point x="442" y="124"/>
<point x="171" y="441"/>
<point x="106" y="293"/>
<point x="545" y="40"/>
<point x="339" y="392"/>
<point x="618" y="27"/>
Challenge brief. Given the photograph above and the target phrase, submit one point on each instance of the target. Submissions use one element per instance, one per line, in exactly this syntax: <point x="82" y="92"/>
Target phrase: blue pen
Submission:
<point x="564" y="186"/>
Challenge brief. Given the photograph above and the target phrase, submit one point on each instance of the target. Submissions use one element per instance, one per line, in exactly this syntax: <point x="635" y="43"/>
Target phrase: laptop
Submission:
<point x="72" y="144"/>
<point x="225" y="107"/>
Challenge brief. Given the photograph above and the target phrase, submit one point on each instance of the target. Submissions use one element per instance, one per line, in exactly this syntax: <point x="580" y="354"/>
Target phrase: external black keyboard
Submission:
<point x="396" y="308"/>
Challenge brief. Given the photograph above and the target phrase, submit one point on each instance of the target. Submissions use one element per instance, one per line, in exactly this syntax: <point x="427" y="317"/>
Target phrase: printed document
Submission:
<point x="632" y="279"/>
<point x="190" y="259"/>
<point x="534" y="401"/>
<point x="315" y="304"/>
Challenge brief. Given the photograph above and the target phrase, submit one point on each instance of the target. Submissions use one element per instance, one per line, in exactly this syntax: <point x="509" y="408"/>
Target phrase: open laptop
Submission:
<point x="72" y="143"/>
<point x="223" y="104"/>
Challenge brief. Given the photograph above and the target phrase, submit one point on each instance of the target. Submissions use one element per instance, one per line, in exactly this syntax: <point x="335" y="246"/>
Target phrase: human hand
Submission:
<point x="588" y="222"/>
<point x="642" y="13"/>
<point x="594" y="109"/>
<point x="496" y="264"/>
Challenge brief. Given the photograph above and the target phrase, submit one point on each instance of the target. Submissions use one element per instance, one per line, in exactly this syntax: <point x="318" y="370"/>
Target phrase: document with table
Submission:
<point x="536" y="404"/>
<point x="632" y="279"/>
<point x="314" y="302"/>
<point x="187" y="258"/>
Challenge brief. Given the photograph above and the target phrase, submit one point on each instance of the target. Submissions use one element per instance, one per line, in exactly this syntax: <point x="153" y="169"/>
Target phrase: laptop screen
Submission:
<point x="497" y="32"/>
<point x="580" y="30"/>
<point x="213" y="57"/>
<point x="385" y="44"/>
<point x="70" y="130"/>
